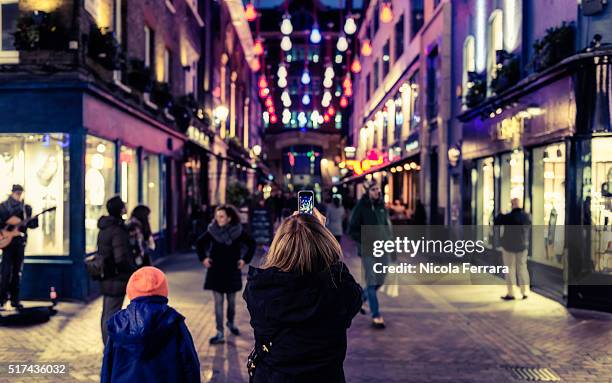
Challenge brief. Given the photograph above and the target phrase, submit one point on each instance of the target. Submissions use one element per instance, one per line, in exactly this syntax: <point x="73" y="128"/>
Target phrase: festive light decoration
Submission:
<point x="326" y="99"/>
<point x="348" y="92"/>
<point x="338" y="59"/>
<point x="314" y="116"/>
<point x="347" y="83"/>
<point x="256" y="65"/>
<point x="305" y="77"/>
<point x="282" y="71"/>
<point x="315" y="34"/>
<point x="326" y="117"/>
<point x="287" y="102"/>
<point x="331" y="111"/>
<point x="273" y="119"/>
<point x="386" y="13"/>
<point x="286" y="26"/>
<point x="271" y="109"/>
<point x="356" y="65"/>
<point x="286" y="116"/>
<point x="350" y="26"/>
<point x="328" y="82"/>
<point x="258" y="47"/>
<point x="306" y="99"/>
<point x="250" y="12"/>
<point x="366" y="48"/>
<point x="268" y="102"/>
<point x="286" y="43"/>
<point x="343" y="102"/>
<point x="263" y="92"/>
<point x="342" y="44"/>
<point x="302" y="121"/>
<point x="263" y="82"/>
<point x="329" y="72"/>
<point x="282" y="82"/>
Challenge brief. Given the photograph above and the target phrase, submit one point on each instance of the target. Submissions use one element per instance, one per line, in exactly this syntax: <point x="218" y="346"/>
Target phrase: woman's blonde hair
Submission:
<point x="302" y="244"/>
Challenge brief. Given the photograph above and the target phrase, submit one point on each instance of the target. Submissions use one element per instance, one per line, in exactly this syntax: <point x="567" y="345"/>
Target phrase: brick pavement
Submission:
<point x="435" y="334"/>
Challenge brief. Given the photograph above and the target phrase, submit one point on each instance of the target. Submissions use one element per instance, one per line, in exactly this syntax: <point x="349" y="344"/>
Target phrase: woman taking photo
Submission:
<point x="224" y="249"/>
<point x="301" y="303"/>
<point x="141" y="237"/>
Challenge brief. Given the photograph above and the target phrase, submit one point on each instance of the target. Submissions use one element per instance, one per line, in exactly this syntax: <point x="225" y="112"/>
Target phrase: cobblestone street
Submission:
<point x="434" y="334"/>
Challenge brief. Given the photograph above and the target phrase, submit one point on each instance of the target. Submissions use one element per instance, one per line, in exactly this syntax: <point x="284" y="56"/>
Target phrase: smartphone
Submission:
<point x="306" y="201"/>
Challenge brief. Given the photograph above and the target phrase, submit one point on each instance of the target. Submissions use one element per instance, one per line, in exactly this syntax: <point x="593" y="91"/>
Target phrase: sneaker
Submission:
<point x="233" y="329"/>
<point x="508" y="297"/>
<point x="217" y="339"/>
<point x="378" y="323"/>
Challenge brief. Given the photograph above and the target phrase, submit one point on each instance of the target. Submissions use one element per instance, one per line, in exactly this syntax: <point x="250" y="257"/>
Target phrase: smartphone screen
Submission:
<point x="306" y="201"/>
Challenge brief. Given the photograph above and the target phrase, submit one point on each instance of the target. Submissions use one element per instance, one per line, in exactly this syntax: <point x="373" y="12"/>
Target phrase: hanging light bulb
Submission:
<point x="302" y="121"/>
<point x="286" y="26"/>
<point x="338" y="59"/>
<point x="343" y="102"/>
<point x="366" y="48"/>
<point x="263" y="83"/>
<point x="315" y="34"/>
<point x="314" y="116"/>
<point x="348" y="92"/>
<point x="263" y="92"/>
<point x="256" y="66"/>
<point x="386" y="13"/>
<point x="282" y="82"/>
<point x="347" y="82"/>
<point x="356" y="65"/>
<point x="306" y="77"/>
<point x="286" y="116"/>
<point x="287" y="102"/>
<point x="284" y="95"/>
<point x="326" y="117"/>
<point x="329" y="72"/>
<point x="282" y="71"/>
<point x="258" y="47"/>
<point x="342" y="44"/>
<point x="328" y="82"/>
<point x="325" y="102"/>
<point x="286" y="43"/>
<point x="269" y="102"/>
<point x="271" y="109"/>
<point x="250" y="12"/>
<point x="331" y="111"/>
<point x="350" y="26"/>
<point x="273" y="119"/>
<point x="306" y="99"/>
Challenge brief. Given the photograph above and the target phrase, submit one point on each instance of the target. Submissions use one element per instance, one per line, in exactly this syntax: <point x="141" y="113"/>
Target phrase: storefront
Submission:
<point x="539" y="146"/>
<point x="75" y="149"/>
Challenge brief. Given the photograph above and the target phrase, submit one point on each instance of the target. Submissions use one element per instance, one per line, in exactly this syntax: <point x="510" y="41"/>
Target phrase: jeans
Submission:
<point x="110" y="306"/>
<point x="517" y="269"/>
<point x="369" y="293"/>
<point x="10" y="271"/>
<point x="231" y="308"/>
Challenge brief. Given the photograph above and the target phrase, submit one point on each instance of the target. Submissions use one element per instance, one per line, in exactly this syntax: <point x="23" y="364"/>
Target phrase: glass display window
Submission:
<point x="151" y="178"/>
<point x="128" y="173"/>
<point x="548" y="204"/>
<point x="40" y="162"/>
<point x="512" y="170"/>
<point x="99" y="185"/>
<point x="484" y="179"/>
<point x="601" y="204"/>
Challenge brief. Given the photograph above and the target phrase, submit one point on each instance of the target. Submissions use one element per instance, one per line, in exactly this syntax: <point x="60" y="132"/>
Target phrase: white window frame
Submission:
<point x="7" y="56"/>
<point x="495" y="43"/>
<point x="469" y="60"/>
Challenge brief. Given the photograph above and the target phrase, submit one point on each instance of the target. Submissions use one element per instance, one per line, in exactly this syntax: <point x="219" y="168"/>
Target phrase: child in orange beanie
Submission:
<point x="149" y="341"/>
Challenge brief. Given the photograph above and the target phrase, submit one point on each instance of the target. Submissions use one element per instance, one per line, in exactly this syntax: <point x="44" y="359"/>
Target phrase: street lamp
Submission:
<point x="221" y="112"/>
<point x="257" y="150"/>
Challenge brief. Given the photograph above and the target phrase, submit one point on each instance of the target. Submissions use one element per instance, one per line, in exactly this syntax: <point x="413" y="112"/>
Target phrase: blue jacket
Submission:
<point x="149" y="342"/>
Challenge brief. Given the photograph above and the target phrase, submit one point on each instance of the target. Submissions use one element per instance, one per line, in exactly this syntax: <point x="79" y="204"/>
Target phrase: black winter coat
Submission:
<point x="516" y="229"/>
<point x="224" y="276"/>
<point x="114" y="247"/>
<point x="306" y="318"/>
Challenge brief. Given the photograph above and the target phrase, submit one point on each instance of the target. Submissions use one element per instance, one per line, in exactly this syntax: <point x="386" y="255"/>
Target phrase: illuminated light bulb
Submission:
<point x="326" y="117"/>
<point x="325" y="102"/>
<point x="256" y="66"/>
<point x="350" y="26"/>
<point x="282" y="71"/>
<point x="271" y="109"/>
<point x="273" y="119"/>
<point x="263" y="82"/>
<point x="282" y="82"/>
<point x="314" y="116"/>
<point x="263" y="92"/>
<point x="366" y="48"/>
<point x="286" y="43"/>
<point x="269" y="102"/>
<point x="302" y="121"/>
<point x="258" y="48"/>
<point x="250" y="12"/>
<point x="306" y="99"/>
<point x="320" y="120"/>
<point x="342" y="44"/>
<point x="329" y="72"/>
<point x="286" y="26"/>
<point x="356" y="65"/>
<point x="328" y="82"/>
<point x="348" y="92"/>
<point x="338" y="59"/>
<point x="386" y="13"/>
<point x="287" y="102"/>
<point x="337" y="93"/>
<point x="306" y="77"/>
<point x="347" y="82"/>
<point x="315" y="58"/>
<point x="284" y="95"/>
<point x="266" y="117"/>
<point x="343" y="102"/>
<point x="286" y="117"/>
<point x="331" y="111"/>
<point x="315" y="34"/>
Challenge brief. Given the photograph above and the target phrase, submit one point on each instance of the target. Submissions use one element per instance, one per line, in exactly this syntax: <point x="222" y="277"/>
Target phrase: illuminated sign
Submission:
<point x="373" y="158"/>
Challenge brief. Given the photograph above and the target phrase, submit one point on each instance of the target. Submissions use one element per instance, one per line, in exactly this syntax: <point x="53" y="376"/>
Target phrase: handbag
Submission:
<point x="255" y="358"/>
<point x="98" y="268"/>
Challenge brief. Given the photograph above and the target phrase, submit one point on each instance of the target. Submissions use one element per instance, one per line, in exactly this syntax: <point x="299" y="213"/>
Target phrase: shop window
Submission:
<point x="601" y="204"/>
<point x="548" y="204"/>
<point x="495" y="41"/>
<point x="9" y="13"/>
<point x="399" y="38"/>
<point x="40" y="163"/>
<point x="512" y="179"/>
<point x="149" y="58"/>
<point x="99" y="185"/>
<point x="484" y="181"/>
<point x="415" y="113"/>
<point x="128" y="173"/>
<point x="151" y="179"/>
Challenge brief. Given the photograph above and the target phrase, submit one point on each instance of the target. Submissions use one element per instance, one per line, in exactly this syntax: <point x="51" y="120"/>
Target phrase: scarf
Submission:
<point x="225" y="234"/>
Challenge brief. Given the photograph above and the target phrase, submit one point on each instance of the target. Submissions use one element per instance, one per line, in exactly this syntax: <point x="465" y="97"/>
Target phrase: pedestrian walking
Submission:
<point x="119" y="264"/>
<point x="149" y="340"/>
<point x="335" y="217"/>
<point x="224" y="249"/>
<point x="13" y="255"/>
<point x="302" y="302"/>
<point x="141" y="237"/>
<point x="371" y="210"/>
<point x="514" y="249"/>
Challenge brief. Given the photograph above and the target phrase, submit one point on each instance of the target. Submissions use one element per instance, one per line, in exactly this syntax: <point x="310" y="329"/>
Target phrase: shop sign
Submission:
<point x="198" y="137"/>
<point x="412" y="146"/>
<point x="508" y="129"/>
<point x="374" y="158"/>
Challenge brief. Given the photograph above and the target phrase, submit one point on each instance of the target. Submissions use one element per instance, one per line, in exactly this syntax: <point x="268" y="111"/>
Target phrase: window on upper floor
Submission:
<point x="386" y="59"/>
<point x="433" y="71"/>
<point x="469" y="61"/>
<point x="9" y="13"/>
<point x="495" y="42"/>
<point x="417" y="17"/>
<point x="376" y="18"/>
<point x="436" y="3"/>
<point x="368" y="91"/>
<point x="149" y="37"/>
<point x="167" y="77"/>
<point x="399" y="38"/>
<point x="375" y="74"/>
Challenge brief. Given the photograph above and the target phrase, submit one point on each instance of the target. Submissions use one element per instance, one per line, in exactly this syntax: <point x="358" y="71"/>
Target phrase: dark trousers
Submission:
<point x="10" y="271"/>
<point x="231" y="308"/>
<point x="110" y="306"/>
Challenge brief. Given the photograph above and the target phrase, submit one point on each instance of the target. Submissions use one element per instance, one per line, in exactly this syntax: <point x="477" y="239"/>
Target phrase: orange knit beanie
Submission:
<point x="147" y="281"/>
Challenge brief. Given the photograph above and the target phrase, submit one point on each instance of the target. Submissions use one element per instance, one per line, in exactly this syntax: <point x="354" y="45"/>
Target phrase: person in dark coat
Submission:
<point x="149" y="341"/>
<point x="514" y="248"/>
<point x="371" y="211"/>
<point x="302" y="302"/>
<point x="224" y="249"/>
<point x="114" y="248"/>
<point x="141" y="236"/>
<point x="14" y="254"/>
